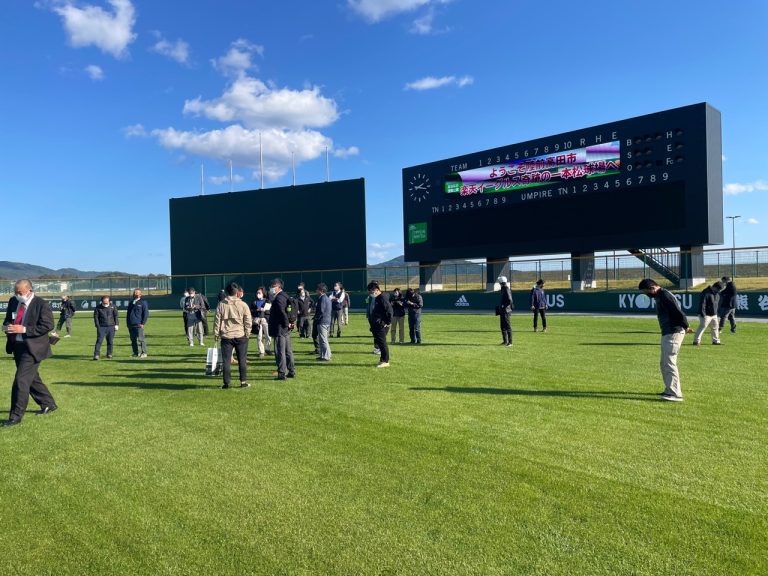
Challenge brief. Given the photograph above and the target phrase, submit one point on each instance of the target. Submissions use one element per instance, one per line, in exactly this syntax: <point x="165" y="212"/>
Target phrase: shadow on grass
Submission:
<point x="618" y="344"/>
<point x="607" y="394"/>
<point x="140" y="385"/>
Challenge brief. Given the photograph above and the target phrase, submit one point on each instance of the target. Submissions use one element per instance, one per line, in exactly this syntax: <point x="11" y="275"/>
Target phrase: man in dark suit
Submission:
<point x="28" y="320"/>
<point x="379" y="319"/>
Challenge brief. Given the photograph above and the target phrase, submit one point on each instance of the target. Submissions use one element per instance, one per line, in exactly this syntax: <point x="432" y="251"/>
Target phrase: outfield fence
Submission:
<point x="612" y="272"/>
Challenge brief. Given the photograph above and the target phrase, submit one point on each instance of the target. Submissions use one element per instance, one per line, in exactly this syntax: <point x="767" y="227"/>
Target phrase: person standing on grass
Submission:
<point x="65" y="317"/>
<point x="106" y="321"/>
<point x="379" y="319"/>
<point x="28" y="319"/>
<point x="503" y="310"/>
<point x="322" y="324"/>
<point x="305" y="306"/>
<point x="231" y="326"/>
<point x="414" y="303"/>
<point x="539" y="305"/>
<point x="337" y="302"/>
<point x="193" y="307"/>
<point x="727" y="306"/>
<point x="136" y="317"/>
<point x="260" y="313"/>
<point x="397" y="301"/>
<point x="280" y="327"/>
<point x="708" y="305"/>
<point x="674" y="327"/>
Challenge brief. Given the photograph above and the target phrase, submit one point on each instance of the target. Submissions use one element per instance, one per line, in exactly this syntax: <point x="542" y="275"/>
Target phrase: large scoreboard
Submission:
<point x="293" y="228"/>
<point x="649" y="181"/>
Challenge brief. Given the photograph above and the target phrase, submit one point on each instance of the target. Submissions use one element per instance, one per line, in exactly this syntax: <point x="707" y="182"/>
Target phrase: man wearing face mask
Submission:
<point x="28" y="320"/>
<point x="379" y="319"/>
<point x="136" y="318"/>
<point x="280" y="327"/>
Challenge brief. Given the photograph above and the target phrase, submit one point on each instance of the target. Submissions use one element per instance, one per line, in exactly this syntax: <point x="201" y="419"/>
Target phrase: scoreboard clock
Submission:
<point x="644" y="182"/>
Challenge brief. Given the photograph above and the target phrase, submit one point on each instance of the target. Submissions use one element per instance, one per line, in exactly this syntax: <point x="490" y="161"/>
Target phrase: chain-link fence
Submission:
<point x="611" y="271"/>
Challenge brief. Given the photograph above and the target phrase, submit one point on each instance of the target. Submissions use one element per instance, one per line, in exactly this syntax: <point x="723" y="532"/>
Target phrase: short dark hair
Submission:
<point x="725" y="279"/>
<point x="277" y="282"/>
<point x="718" y="286"/>
<point x="540" y="282"/>
<point x="646" y="284"/>
<point x="301" y="285"/>
<point x="373" y="285"/>
<point x="191" y="288"/>
<point x="233" y="288"/>
<point x="341" y="286"/>
<point x="263" y="290"/>
<point x="105" y="296"/>
<point x="397" y="290"/>
<point x="322" y="287"/>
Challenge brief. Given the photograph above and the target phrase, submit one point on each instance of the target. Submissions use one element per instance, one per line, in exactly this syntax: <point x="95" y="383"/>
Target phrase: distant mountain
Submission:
<point x="16" y="270"/>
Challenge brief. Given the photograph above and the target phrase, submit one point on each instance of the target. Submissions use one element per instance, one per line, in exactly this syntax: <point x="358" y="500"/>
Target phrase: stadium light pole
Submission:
<point x="733" y="244"/>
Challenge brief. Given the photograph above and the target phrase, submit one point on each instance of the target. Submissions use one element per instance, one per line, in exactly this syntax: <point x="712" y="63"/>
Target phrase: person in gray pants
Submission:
<point x="280" y="327"/>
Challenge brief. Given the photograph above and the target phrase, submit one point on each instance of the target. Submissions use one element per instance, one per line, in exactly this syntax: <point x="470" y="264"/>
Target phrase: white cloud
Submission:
<point x="178" y="50"/>
<point x="256" y="105"/>
<point x="346" y="152"/>
<point x="737" y="188"/>
<point x="381" y="251"/>
<point x="219" y="180"/>
<point x="430" y="82"/>
<point x="753" y="221"/>
<point x="377" y="10"/>
<point x="134" y="131"/>
<point x="111" y="32"/>
<point x="95" y="72"/>
<point x="241" y="145"/>
<point x="239" y="58"/>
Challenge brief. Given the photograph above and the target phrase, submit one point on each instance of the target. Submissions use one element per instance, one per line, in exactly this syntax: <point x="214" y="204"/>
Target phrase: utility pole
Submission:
<point x="733" y="244"/>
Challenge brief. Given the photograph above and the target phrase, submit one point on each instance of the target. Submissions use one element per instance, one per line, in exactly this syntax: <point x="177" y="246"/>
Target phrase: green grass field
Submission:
<point x="464" y="457"/>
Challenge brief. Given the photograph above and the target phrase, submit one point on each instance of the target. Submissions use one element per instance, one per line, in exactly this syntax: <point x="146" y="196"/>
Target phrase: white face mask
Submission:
<point x="23" y="299"/>
<point x="272" y="291"/>
<point x="186" y="294"/>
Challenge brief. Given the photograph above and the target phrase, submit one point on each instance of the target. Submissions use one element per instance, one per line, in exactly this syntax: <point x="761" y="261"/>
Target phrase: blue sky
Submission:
<point x="110" y="106"/>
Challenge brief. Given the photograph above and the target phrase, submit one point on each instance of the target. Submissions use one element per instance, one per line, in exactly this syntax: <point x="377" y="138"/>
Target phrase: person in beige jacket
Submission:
<point x="231" y="326"/>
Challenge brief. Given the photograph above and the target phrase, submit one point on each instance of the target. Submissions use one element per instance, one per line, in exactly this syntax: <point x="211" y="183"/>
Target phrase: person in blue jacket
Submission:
<point x="539" y="305"/>
<point x="137" y="316"/>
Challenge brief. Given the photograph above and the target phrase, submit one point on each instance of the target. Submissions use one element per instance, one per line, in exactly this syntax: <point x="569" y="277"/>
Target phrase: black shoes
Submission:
<point x="291" y="375"/>
<point x="11" y="422"/>
<point x="47" y="410"/>
<point x="224" y="386"/>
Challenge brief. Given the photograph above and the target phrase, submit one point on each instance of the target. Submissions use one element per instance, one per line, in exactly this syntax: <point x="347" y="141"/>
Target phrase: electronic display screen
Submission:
<point x="644" y="182"/>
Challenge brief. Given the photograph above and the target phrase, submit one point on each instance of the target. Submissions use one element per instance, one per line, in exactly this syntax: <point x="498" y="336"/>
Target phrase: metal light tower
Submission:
<point x="733" y="244"/>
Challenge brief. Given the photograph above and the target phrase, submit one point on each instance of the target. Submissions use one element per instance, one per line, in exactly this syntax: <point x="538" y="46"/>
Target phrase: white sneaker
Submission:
<point x="376" y="351"/>
<point x="671" y="398"/>
<point x="67" y="336"/>
<point x="144" y="355"/>
<point x="382" y="365"/>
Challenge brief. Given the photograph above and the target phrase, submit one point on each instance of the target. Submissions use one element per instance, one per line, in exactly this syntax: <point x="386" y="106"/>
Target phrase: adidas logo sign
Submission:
<point x="462" y="301"/>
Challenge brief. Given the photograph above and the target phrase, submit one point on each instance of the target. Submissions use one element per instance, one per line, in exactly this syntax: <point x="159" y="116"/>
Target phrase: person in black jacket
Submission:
<point x="106" y="321"/>
<point x="674" y="327"/>
<point x="503" y="310"/>
<point x="379" y="319"/>
<point x="280" y="327"/>
<point x="398" y="315"/>
<point x="28" y="319"/>
<point x="708" y="306"/>
<point x="414" y="303"/>
<point x="727" y="306"/>
<point x="67" y="312"/>
<point x="305" y="306"/>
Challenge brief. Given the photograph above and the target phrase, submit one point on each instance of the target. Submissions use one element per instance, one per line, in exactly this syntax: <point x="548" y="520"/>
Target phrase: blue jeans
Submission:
<point x="414" y="327"/>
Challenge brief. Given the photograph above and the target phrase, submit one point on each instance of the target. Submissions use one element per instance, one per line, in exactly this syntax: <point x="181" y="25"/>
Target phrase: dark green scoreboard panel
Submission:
<point x="649" y="181"/>
<point x="293" y="228"/>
